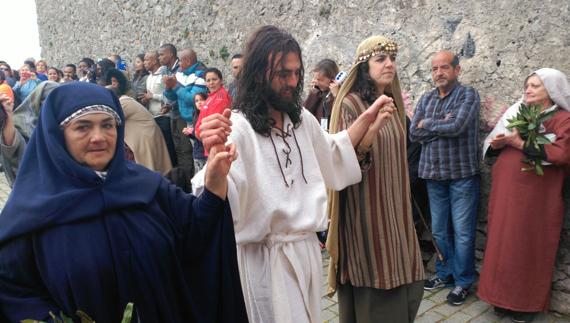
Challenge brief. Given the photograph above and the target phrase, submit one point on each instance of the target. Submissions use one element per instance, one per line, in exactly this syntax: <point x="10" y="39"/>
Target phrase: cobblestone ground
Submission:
<point x="434" y="307"/>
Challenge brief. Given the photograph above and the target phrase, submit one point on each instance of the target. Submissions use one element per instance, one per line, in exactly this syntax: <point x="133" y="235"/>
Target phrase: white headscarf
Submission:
<point x="558" y="89"/>
<point x="557" y="86"/>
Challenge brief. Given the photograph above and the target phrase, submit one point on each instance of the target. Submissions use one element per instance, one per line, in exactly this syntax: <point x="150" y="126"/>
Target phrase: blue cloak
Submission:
<point x="71" y="241"/>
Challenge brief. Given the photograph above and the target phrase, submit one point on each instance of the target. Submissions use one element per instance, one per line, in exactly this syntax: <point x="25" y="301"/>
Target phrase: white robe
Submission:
<point x="275" y="223"/>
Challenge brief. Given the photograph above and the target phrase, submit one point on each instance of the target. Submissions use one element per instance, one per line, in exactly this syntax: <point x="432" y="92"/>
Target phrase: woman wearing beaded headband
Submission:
<point x="376" y="258"/>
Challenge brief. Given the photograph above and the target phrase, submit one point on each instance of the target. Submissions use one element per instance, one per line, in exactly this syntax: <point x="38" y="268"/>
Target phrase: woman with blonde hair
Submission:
<point x="376" y="263"/>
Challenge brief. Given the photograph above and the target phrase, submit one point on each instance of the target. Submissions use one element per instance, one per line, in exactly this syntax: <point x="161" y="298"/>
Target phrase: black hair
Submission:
<point x="327" y="67"/>
<point x="203" y="95"/>
<point x="170" y="48"/>
<point x="238" y="55"/>
<point x="120" y="77"/>
<point x="197" y="111"/>
<point x="2" y="77"/>
<point x="143" y="72"/>
<point x="266" y="47"/>
<point x="213" y="70"/>
<point x="72" y="66"/>
<point x="31" y="65"/>
<point x="364" y="85"/>
<point x="87" y="61"/>
<point x="106" y="65"/>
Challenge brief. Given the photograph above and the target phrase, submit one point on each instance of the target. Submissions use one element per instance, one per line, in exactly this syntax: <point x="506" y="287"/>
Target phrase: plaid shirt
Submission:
<point x="450" y="133"/>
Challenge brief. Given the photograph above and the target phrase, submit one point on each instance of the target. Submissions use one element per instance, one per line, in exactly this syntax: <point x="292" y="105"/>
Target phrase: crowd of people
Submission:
<point x="102" y="162"/>
<point x="161" y="86"/>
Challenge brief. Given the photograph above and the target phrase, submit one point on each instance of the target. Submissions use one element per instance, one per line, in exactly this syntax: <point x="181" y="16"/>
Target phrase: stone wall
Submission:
<point x="499" y="41"/>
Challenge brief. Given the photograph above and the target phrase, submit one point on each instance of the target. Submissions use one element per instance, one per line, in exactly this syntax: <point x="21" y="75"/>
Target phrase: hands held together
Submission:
<point x="214" y="132"/>
<point x="381" y="110"/>
<point x="513" y="140"/>
<point x="365" y="128"/>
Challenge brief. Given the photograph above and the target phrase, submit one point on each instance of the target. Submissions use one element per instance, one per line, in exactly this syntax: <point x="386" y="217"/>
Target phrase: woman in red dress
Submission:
<point x="526" y="210"/>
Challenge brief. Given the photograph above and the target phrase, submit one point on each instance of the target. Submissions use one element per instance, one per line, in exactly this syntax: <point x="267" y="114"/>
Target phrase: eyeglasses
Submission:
<point x="3" y="68"/>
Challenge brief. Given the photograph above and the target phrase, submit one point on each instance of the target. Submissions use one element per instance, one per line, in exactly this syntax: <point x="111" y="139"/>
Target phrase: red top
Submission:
<point x="217" y="102"/>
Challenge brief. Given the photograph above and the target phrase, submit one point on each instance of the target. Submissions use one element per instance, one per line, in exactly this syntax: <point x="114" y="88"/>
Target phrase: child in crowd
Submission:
<point x="198" y="150"/>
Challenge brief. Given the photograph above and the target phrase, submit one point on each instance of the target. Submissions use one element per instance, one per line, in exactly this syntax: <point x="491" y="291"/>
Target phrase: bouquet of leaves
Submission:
<point x="127" y="316"/>
<point x="528" y="121"/>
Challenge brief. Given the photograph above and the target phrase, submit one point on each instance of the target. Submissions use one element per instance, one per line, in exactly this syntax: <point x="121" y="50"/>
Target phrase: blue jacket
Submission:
<point x="22" y="91"/>
<point x="189" y="83"/>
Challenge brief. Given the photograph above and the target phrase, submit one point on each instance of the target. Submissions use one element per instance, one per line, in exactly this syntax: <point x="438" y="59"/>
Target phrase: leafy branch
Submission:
<point x="528" y="122"/>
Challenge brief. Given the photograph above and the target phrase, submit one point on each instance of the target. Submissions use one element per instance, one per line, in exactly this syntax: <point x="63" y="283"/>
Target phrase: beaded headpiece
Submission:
<point x="368" y="48"/>
<point x="90" y="110"/>
<point x="385" y="46"/>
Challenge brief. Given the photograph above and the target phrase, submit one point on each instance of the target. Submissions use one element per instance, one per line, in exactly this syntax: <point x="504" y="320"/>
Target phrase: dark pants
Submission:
<point x="163" y="123"/>
<point x="365" y="304"/>
<point x="182" y="146"/>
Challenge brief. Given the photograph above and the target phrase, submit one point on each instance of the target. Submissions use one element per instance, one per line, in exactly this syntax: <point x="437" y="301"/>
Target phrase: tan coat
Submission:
<point x="143" y="136"/>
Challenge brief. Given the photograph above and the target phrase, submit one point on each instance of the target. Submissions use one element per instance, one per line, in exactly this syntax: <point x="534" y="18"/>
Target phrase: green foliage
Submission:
<point x="528" y="121"/>
<point x="224" y="54"/>
<point x="62" y="318"/>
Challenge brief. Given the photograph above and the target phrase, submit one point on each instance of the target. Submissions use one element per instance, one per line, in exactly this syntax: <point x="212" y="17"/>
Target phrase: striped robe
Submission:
<point x="378" y="243"/>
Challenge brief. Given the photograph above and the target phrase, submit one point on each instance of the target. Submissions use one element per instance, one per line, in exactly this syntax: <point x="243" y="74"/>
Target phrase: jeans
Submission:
<point x="453" y="205"/>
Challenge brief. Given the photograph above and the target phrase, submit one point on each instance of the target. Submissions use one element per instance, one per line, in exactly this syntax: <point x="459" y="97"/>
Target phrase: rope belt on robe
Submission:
<point x="282" y="254"/>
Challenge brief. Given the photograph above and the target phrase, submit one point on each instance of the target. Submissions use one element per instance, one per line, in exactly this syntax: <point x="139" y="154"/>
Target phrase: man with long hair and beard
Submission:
<point x="277" y="187"/>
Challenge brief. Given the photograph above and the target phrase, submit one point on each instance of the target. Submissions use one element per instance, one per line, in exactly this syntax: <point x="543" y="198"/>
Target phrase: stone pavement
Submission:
<point x="434" y="307"/>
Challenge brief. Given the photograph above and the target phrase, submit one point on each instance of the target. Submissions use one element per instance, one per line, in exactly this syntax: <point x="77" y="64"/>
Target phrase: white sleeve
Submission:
<point x="237" y="181"/>
<point x="501" y="126"/>
<point x="335" y="155"/>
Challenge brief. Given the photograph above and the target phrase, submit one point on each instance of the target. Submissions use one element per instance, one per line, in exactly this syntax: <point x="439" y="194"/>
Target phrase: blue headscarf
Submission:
<point x="51" y="188"/>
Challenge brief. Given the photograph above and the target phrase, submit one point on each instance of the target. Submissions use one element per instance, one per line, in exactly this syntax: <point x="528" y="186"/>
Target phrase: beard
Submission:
<point x="282" y="103"/>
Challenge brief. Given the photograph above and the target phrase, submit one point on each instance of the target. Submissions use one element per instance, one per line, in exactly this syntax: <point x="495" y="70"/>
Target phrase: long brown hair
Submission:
<point x="261" y="54"/>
